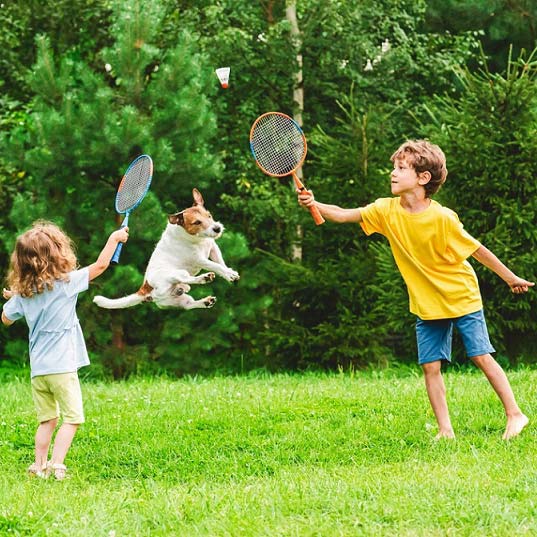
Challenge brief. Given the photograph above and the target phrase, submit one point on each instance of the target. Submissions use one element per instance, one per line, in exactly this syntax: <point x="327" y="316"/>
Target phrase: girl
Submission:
<point x="43" y="288"/>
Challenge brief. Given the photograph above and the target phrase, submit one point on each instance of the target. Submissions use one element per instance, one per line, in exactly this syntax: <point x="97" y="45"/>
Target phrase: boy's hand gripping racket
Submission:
<point x="131" y="192"/>
<point x="279" y="148"/>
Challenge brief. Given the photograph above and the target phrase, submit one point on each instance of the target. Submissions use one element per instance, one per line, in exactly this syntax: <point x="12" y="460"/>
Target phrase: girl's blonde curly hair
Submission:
<point x="42" y="255"/>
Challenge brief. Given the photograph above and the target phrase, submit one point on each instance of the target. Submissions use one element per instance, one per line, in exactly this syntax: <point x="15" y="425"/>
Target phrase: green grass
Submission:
<point x="298" y="455"/>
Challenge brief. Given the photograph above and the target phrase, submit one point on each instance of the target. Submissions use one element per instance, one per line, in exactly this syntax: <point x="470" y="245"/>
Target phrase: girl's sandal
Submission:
<point x="58" y="470"/>
<point x="34" y="470"/>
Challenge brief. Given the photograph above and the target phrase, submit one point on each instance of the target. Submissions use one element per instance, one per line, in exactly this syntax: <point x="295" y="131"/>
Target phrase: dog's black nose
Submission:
<point x="217" y="229"/>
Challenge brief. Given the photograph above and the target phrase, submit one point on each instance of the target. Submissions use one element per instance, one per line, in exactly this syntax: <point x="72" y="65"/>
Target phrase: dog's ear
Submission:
<point x="177" y="219"/>
<point x="198" y="198"/>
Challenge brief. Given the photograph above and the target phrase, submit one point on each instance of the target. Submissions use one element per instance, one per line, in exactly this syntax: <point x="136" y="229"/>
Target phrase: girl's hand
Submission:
<point x="7" y="293"/>
<point x="121" y="235"/>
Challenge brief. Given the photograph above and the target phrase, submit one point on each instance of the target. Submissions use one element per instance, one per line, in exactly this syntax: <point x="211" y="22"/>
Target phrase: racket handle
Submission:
<point x="317" y="216"/>
<point x="119" y="247"/>
<point x="117" y="253"/>
<point x="315" y="213"/>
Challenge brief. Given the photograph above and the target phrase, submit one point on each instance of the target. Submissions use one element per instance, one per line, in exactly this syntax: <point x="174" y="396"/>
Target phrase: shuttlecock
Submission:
<point x="223" y="75"/>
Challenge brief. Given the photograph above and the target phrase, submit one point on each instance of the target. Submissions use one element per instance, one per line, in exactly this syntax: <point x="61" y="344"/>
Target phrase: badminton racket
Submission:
<point x="131" y="192"/>
<point x="279" y="148"/>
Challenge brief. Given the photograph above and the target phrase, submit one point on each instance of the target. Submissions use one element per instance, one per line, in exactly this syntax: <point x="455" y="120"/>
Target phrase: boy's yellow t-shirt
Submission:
<point x="430" y="249"/>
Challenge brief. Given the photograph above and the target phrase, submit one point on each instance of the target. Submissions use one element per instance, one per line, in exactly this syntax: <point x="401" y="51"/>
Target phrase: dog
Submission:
<point x="188" y="245"/>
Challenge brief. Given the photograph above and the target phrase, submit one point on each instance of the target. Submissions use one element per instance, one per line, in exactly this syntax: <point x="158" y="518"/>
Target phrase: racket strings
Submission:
<point x="278" y="144"/>
<point x="134" y="185"/>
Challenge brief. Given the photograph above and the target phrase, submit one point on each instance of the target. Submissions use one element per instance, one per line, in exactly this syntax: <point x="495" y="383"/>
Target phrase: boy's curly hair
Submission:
<point x="42" y="255"/>
<point x="423" y="156"/>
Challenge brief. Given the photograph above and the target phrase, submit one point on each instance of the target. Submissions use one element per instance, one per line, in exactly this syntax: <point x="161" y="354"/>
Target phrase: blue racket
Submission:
<point x="131" y="191"/>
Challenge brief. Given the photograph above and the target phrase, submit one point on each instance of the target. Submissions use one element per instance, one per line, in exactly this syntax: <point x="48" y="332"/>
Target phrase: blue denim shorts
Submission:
<point x="434" y="337"/>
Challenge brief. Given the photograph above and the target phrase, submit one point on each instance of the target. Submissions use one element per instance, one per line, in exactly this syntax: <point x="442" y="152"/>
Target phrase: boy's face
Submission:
<point x="404" y="178"/>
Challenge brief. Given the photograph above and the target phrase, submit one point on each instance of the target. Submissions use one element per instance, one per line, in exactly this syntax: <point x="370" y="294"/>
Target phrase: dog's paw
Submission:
<point x="209" y="301"/>
<point x="180" y="289"/>
<point x="231" y="275"/>
<point x="208" y="277"/>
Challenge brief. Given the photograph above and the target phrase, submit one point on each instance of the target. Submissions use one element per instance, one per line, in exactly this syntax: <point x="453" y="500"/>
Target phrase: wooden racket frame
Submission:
<point x="315" y="213"/>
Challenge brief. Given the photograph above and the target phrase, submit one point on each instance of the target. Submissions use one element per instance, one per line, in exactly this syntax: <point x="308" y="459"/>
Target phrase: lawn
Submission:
<point x="284" y="455"/>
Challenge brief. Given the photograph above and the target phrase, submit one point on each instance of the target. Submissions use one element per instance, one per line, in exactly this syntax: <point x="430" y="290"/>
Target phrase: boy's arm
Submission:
<point x="334" y="213"/>
<point x="487" y="258"/>
<point x="103" y="261"/>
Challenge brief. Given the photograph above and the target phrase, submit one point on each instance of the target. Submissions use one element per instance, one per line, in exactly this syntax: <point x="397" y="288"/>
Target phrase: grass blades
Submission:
<point x="290" y="455"/>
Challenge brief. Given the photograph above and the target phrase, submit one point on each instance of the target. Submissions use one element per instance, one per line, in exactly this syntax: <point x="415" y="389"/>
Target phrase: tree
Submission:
<point x="501" y="24"/>
<point x="72" y="25"/>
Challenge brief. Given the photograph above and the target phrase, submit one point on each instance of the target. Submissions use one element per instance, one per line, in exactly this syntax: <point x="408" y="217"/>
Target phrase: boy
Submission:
<point x="430" y="248"/>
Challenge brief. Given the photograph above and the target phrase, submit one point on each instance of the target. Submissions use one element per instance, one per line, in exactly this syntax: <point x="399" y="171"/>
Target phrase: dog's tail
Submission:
<point x="118" y="303"/>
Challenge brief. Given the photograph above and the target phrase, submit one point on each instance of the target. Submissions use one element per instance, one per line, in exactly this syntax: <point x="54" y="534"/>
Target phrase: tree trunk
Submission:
<point x="118" y="341"/>
<point x="298" y="109"/>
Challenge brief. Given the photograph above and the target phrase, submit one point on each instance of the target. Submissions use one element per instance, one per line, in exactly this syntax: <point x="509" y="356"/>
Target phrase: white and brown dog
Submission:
<point x="187" y="246"/>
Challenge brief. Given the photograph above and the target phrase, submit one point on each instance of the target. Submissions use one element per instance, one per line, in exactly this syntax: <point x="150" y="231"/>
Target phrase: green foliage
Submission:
<point x="488" y="132"/>
<point x="394" y="322"/>
<point x="362" y="117"/>
<point x="16" y="351"/>
<point x="133" y="76"/>
<point x="80" y="26"/>
<point x="502" y="24"/>
<point x="84" y="128"/>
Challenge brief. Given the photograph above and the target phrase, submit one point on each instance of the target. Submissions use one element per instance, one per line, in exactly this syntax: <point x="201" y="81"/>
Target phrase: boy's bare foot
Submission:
<point x="445" y="434"/>
<point x="514" y="427"/>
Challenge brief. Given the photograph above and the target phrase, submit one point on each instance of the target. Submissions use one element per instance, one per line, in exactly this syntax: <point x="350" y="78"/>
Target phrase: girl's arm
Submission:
<point x="487" y="258"/>
<point x="7" y="294"/>
<point x="6" y="321"/>
<point x="103" y="261"/>
<point x="334" y="213"/>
